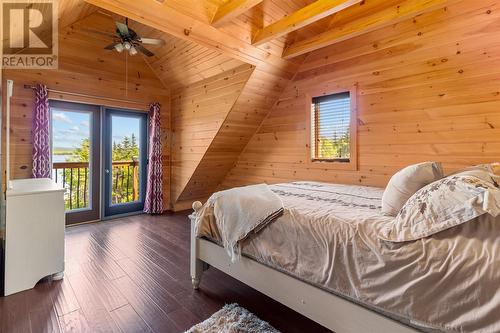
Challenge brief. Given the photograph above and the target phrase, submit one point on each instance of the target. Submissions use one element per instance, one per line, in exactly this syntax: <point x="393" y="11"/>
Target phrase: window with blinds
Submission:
<point x="331" y="127"/>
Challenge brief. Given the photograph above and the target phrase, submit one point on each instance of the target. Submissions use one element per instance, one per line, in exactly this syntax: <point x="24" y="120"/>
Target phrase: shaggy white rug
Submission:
<point x="232" y="318"/>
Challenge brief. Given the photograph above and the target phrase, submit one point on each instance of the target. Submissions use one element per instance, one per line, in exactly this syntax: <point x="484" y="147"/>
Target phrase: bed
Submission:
<point x="333" y="268"/>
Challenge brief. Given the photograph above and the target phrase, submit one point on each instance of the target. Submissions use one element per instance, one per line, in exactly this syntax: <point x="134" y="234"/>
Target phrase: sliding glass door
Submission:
<point x="76" y="158"/>
<point x="125" y="159"/>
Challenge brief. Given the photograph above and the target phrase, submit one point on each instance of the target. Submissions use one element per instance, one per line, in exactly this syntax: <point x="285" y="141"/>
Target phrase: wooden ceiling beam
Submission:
<point x="299" y="19"/>
<point x="380" y="19"/>
<point x="231" y="9"/>
<point x="167" y="19"/>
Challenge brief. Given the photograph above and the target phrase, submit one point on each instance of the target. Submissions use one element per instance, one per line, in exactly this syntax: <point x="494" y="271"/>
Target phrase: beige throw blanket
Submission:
<point x="240" y="211"/>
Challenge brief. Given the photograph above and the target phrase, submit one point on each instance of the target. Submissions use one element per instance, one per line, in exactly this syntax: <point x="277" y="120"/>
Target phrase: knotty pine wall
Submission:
<point x="259" y="94"/>
<point x="85" y="68"/>
<point x="198" y="112"/>
<point x="428" y="89"/>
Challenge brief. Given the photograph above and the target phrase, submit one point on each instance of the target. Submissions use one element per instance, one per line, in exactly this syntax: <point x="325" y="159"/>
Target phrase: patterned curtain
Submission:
<point x="154" y="191"/>
<point x="41" y="134"/>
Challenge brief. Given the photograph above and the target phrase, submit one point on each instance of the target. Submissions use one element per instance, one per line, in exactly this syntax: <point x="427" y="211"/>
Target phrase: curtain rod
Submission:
<point x="26" y="86"/>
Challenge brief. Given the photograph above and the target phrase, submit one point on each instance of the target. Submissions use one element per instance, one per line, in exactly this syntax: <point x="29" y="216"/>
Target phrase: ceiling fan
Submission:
<point x="128" y="40"/>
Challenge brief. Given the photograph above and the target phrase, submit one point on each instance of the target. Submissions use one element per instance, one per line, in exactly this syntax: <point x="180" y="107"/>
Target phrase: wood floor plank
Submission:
<point x="15" y="315"/>
<point x="98" y="318"/>
<point x="156" y="244"/>
<point x="109" y="295"/>
<point x="174" y="233"/>
<point x="74" y="322"/>
<point x="64" y="298"/>
<point x="1" y="313"/>
<point x="183" y="319"/>
<point x="41" y="309"/>
<point x="132" y="275"/>
<point x="147" y="309"/>
<point x="139" y="251"/>
<point x="149" y="286"/>
<point x="200" y="303"/>
<point x="44" y="321"/>
<point x="129" y="321"/>
<point x="102" y="238"/>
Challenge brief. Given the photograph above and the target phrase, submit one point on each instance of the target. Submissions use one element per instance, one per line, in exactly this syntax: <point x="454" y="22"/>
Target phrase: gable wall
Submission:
<point x="428" y="89"/>
<point x="84" y="68"/>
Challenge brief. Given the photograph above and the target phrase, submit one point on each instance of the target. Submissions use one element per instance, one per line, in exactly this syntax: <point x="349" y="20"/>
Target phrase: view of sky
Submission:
<point x="70" y="128"/>
<point x="124" y="126"/>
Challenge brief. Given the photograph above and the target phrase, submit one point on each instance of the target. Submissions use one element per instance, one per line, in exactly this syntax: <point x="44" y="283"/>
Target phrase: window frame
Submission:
<point x="339" y="164"/>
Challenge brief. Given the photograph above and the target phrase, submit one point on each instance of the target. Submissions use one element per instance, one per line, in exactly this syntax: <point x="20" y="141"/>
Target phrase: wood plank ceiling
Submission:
<point x="204" y="37"/>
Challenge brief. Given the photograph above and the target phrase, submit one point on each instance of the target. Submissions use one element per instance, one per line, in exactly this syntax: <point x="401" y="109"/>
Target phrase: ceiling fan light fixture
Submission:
<point x="126" y="39"/>
<point x="119" y="47"/>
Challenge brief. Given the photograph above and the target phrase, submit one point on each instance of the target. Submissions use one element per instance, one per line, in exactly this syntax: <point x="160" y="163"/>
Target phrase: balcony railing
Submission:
<point x="75" y="178"/>
<point x="125" y="181"/>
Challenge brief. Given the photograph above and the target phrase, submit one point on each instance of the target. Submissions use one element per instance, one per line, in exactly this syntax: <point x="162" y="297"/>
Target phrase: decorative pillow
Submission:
<point x="406" y="182"/>
<point x="487" y="172"/>
<point x="495" y="167"/>
<point x="444" y="204"/>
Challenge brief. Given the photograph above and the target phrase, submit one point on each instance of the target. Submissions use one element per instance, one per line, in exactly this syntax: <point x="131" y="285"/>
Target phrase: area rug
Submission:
<point x="232" y="318"/>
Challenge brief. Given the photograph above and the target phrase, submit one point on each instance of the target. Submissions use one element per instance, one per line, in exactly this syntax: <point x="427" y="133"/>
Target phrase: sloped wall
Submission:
<point x="198" y="112"/>
<point x="428" y="89"/>
<point x="259" y="94"/>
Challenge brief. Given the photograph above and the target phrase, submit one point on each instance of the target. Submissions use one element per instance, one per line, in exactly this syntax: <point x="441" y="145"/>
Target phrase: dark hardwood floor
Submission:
<point x="132" y="275"/>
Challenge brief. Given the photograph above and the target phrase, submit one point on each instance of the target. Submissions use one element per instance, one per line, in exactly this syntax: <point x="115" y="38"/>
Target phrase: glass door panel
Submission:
<point x="75" y="157"/>
<point x="125" y="139"/>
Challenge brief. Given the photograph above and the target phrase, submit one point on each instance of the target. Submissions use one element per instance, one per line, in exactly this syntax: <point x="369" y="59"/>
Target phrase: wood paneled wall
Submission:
<point x="428" y="89"/>
<point x="198" y="112"/>
<point x="259" y="94"/>
<point x="85" y="68"/>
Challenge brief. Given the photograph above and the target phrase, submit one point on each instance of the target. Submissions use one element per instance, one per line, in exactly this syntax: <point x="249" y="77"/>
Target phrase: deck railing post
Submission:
<point x="135" y="180"/>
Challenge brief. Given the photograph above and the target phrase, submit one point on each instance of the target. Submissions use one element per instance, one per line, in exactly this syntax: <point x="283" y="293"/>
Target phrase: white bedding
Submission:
<point x="327" y="236"/>
<point x="240" y="211"/>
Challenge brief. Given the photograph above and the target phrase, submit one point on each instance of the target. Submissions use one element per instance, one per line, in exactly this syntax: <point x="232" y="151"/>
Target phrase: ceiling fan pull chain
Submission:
<point x="126" y="74"/>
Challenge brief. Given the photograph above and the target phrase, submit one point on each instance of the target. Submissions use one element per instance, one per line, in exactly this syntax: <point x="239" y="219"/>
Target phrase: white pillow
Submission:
<point x="444" y="204"/>
<point x="406" y="182"/>
<point x="495" y="167"/>
<point x="488" y="171"/>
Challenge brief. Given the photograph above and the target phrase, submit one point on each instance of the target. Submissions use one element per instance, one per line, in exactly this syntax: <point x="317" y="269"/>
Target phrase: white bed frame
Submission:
<point x="327" y="309"/>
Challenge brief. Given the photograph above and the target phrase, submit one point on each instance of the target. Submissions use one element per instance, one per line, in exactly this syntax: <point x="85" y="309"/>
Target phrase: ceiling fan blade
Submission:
<point x="132" y="34"/>
<point x="97" y="32"/>
<point x="145" y="51"/>
<point x="122" y="29"/>
<point x="111" y="46"/>
<point x="152" y="41"/>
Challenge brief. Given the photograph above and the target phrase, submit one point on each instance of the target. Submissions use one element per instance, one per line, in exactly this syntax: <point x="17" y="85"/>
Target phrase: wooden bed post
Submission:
<point x="196" y="264"/>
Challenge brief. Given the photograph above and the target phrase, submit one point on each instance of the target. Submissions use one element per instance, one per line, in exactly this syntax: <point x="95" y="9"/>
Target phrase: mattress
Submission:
<point x="327" y="237"/>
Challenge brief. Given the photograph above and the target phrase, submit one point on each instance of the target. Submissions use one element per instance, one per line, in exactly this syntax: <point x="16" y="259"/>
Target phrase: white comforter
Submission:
<point x="327" y="236"/>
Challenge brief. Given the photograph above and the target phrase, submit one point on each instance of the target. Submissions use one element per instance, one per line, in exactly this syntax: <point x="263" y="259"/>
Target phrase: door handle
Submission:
<point x="106" y="170"/>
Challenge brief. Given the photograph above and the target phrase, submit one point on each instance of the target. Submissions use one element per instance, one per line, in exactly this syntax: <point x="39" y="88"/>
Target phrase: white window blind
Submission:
<point x="330" y="132"/>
